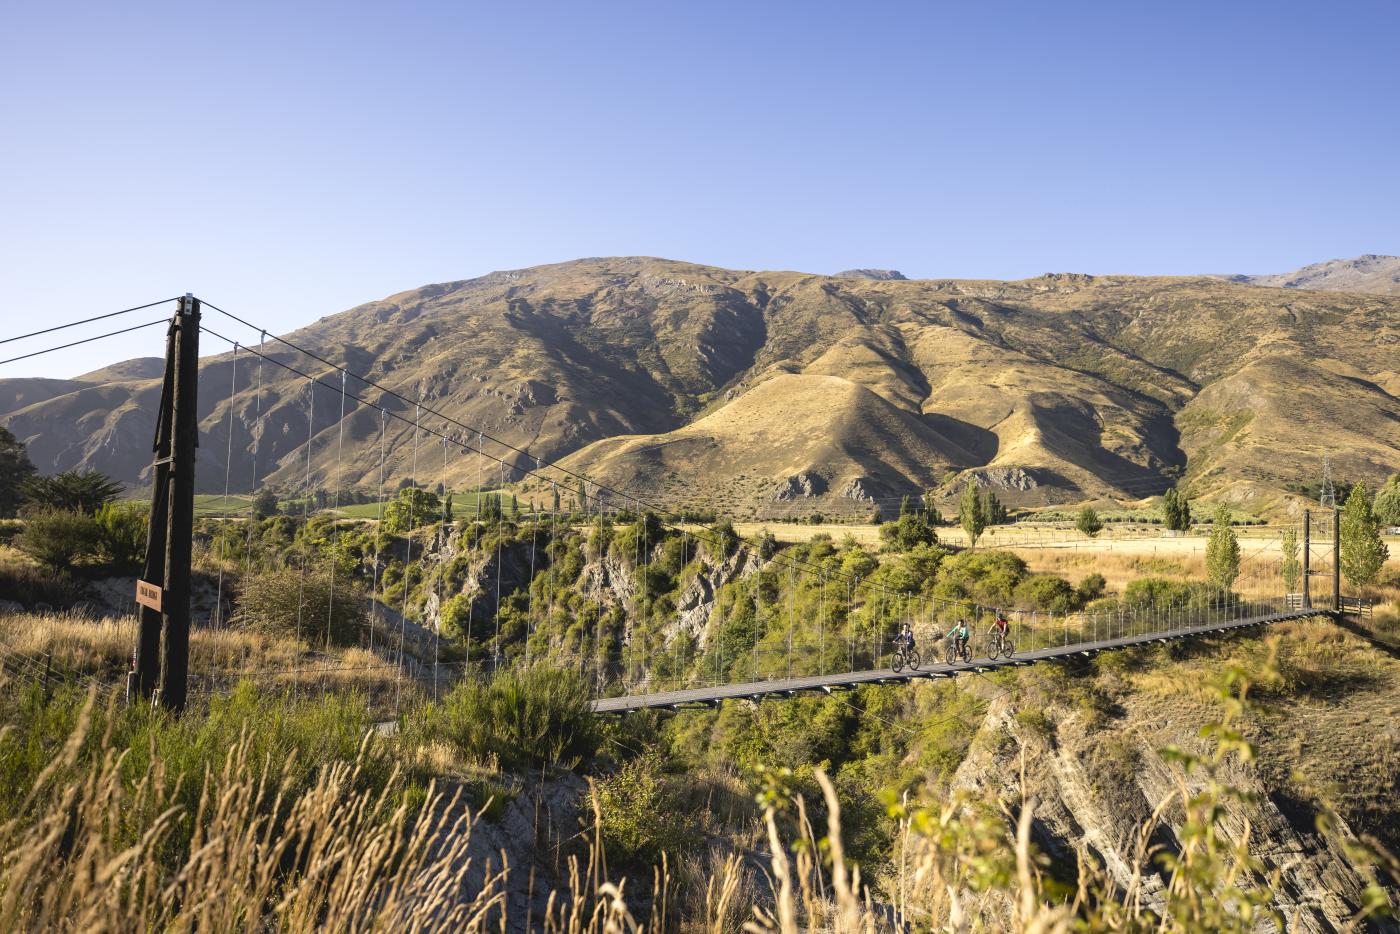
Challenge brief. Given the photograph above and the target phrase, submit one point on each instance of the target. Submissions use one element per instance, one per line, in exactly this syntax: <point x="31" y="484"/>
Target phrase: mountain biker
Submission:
<point x="1000" y="626"/>
<point x="905" y="639"/>
<point x="959" y="632"/>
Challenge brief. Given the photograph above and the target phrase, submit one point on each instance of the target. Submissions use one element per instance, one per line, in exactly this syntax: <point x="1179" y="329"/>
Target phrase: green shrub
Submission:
<point x="288" y="601"/>
<point x="1047" y="593"/>
<point x="1091" y="587"/>
<point x="121" y="532"/>
<point x="641" y="818"/>
<point x="57" y="538"/>
<point x="520" y="718"/>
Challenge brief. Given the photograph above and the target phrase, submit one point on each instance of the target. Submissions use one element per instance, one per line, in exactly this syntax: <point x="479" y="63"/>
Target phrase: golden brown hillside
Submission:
<point x="754" y="391"/>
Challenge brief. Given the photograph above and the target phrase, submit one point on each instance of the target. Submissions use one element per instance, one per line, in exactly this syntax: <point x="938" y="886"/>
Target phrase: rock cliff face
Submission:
<point x="1096" y="784"/>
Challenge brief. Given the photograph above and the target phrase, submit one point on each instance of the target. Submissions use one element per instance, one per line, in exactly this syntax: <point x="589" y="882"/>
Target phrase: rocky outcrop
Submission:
<point x="697" y="596"/>
<point x="1003" y="478"/>
<point x="1093" y="791"/>
<point x="799" y="486"/>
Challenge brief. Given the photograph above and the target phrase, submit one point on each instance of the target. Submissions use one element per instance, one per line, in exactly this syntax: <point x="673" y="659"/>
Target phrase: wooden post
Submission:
<point x="179" y="542"/>
<point x="1307" y="559"/>
<point x="146" y="661"/>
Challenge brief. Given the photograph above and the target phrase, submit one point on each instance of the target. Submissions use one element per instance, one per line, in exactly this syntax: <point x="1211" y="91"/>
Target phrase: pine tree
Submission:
<point x="970" y="514"/>
<point x="904" y="507"/>
<point x="1291" y="568"/>
<point x="1363" y="551"/>
<point x="1223" y="551"/>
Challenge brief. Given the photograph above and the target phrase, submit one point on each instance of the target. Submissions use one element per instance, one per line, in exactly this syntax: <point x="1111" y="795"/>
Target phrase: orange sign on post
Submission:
<point x="148" y="595"/>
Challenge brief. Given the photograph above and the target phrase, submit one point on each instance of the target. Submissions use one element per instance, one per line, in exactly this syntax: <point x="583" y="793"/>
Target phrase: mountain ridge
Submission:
<point x="1076" y="386"/>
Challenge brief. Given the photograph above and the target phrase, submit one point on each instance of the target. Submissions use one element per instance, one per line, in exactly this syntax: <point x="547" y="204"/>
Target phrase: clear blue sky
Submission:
<point x="289" y="160"/>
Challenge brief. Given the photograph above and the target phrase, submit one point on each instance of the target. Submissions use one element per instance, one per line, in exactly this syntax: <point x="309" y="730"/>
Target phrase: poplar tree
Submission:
<point x="1363" y="551"/>
<point x="1291" y="568"/>
<point x="970" y="514"/>
<point x="1223" y="551"/>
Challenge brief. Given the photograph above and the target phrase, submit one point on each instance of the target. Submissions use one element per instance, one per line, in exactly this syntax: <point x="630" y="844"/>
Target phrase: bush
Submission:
<point x="121" y="532"/>
<point x="287" y="601"/>
<point x="640" y="816"/>
<point x="1047" y="593"/>
<point x="521" y="719"/>
<point x="57" y="538"/>
<point x="909" y="530"/>
<point x="1091" y="587"/>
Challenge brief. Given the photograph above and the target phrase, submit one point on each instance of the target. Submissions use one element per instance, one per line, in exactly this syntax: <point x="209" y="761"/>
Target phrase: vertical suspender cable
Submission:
<point x="335" y="512"/>
<point x="408" y="553"/>
<point x="305" y="511"/>
<point x="228" y="469"/>
<point x="378" y="536"/>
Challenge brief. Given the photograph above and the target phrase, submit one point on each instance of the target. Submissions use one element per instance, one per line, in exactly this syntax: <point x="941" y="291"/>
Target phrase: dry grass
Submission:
<point x="79" y="647"/>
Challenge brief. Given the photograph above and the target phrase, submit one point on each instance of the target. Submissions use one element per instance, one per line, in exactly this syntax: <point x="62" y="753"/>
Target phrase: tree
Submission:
<point x="1363" y="551"/>
<point x="910" y="529"/>
<point x="447" y="508"/>
<point x="1088" y="522"/>
<point x="57" y="538"/>
<point x="78" y="491"/>
<point x="410" y="509"/>
<point x="1222" y="551"/>
<point x="931" y="509"/>
<point x="15" y="471"/>
<point x="264" y="505"/>
<point x="1176" y="511"/>
<point x="1387" y="504"/>
<point x="993" y="512"/>
<point x="121" y="532"/>
<point x="970" y="515"/>
<point x="1291" y="568"/>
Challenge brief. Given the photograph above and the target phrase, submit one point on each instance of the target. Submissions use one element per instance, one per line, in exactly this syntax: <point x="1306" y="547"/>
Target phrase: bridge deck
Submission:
<point x="711" y="696"/>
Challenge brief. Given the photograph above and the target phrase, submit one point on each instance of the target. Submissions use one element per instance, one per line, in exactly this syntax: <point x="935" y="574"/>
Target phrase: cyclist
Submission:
<point x="1000" y="627"/>
<point x="959" y="633"/>
<point x="905" y="639"/>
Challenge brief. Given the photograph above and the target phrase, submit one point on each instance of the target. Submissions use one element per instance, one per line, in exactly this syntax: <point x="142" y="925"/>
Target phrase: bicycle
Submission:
<point x="999" y="643"/>
<point x="905" y="655"/>
<point x="958" y="650"/>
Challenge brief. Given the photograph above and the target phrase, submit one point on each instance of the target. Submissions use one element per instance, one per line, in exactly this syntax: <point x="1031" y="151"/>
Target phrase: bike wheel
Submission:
<point x="913" y="661"/>
<point x="1008" y="648"/>
<point x="950" y="654"/>
<point x="993" y="648"/>
<point x="966" y="653"/>
<point x="898" y="663"/>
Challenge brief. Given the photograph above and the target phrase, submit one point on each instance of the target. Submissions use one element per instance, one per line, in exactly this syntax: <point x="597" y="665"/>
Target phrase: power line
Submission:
<point x="86" y="340"/>
<point x="73" y="324"/>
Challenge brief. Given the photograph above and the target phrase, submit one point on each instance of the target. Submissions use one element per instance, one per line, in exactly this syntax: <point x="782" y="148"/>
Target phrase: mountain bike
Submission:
<point x="999" y="643"/>
<point x="958" y="650"/>
<point x="904" y="655"/>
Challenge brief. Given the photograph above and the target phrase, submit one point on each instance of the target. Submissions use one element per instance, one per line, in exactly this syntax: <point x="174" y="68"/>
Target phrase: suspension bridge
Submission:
<point x="809" y="623"/>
